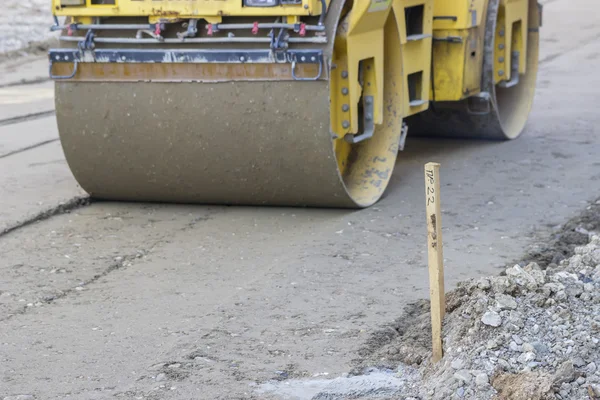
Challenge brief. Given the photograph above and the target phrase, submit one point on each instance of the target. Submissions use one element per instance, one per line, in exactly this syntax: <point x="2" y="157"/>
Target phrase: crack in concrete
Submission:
<point x="26" y="117"/>
<point x="33" y="146"/>
<point x="25" y="82"/>
<point x="119" y="263"/>
<point x="62" y="208"/>
<point x="583" y="43"/>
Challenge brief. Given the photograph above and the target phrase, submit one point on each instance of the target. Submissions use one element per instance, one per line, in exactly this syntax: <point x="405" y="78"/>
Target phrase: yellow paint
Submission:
<point x="457" y="64"/>
<point x="183" y="9"/>
<point x="416" y="53"/>
<point x="510" y="36"/>
<point x="83" y="20"/>
<point x="465" y="11"/>
<point x="379" y="5"/>
<point x="293" y="19"/>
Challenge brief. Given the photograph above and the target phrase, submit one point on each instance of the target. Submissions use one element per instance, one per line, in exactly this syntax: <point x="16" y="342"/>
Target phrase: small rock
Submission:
<point x="457" y="364"/>
<point x="564" y="276"/>
<point x="552" y="287"/>
<point x="528" y="347"/>
<point x="564" y="373"/>
<point x="502" y="284"/>
<point x="535" y="328"/>
<point x="484" y="284"/>
<point x="517" y="339"/>
<point x="591" y="368"/>
<point x="580" y="381"/>
<point x="503" y="364"/>
<point x="540" y="348"/>
<point x="574" y="291"/>
<point x="461" y="392"/>
<point x="588" y="287"/>
<point x="481" y="380"/>
<point x="516" y="319"/>
<point x="514" y="346"/>
<point x="526" y="357"/>
<point x="463" y="376"/>
<point x="160" y="377"/>
<point x="578" y="362"/>
<point x="491" y="318"/>
<point x="521" y="277"/>
<point x="176" y="365"/>
<point x="281" y="375"/>
<point x="595" y="389"/>
<point x="536" y="272"/>
<point x="505" y="302"/>
<point x="586" y="296"/>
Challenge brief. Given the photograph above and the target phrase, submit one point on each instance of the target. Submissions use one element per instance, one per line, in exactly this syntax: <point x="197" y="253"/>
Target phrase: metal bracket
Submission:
<point x="88" y="42"/>
<point x="368" y="122"/>
<point x="448" y="17"/>
<point x="192" y="29"/>
<point x="514" y="72"/>
<point x="307" y="79"/>
<point x="451" y="39"/>
<point x="75" y="64"/>
<point x="403" y="134"/>
<point x="479" y="104"/>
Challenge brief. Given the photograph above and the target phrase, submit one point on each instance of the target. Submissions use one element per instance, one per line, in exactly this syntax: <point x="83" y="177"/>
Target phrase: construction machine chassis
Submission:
<point x="305" y="103"/>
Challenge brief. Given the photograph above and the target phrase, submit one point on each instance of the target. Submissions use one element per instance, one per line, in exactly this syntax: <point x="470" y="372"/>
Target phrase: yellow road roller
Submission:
<point x="280" y="102"/>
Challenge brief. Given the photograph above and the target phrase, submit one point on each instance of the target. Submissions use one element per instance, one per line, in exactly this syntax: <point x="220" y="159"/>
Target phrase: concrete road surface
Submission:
<point x="192" y="302"/>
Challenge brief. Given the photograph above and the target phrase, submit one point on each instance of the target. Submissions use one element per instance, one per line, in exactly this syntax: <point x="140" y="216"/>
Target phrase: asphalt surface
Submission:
<point x="178" y="301"/>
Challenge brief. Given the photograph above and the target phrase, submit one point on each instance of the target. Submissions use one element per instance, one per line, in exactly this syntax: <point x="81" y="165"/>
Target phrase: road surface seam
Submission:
<point x="62" y="208"/>
<point x="120" y="262"/>
<point x="123" y="261"/>
<point x="25" y="82"/>
<point x="33" y="146"/>
<point x="26" y="117"/>
<point x="583" y="43"/>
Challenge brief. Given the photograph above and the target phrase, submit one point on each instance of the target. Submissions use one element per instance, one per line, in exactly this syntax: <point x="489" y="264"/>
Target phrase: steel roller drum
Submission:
<point x="233" y="143"/>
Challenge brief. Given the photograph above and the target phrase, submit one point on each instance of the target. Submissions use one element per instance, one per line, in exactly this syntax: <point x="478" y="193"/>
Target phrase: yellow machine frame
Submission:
<point x="449" y="44"/>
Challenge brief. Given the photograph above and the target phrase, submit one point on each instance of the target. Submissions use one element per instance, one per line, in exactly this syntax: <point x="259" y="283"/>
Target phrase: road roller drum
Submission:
<point x="280" y="102"/>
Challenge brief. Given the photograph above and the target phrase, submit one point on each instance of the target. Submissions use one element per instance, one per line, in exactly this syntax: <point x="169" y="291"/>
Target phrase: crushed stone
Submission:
<point x="530" y="334"/>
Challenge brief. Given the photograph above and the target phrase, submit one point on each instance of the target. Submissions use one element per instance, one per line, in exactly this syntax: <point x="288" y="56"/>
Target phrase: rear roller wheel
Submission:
<point x="501" y="112"/>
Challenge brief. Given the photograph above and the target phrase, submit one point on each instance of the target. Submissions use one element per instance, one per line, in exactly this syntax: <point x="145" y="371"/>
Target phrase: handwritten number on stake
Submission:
<point x="430" y="190"/>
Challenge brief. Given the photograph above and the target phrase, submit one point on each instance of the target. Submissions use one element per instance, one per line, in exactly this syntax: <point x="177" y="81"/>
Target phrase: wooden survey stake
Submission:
<point x="435" y="256"/>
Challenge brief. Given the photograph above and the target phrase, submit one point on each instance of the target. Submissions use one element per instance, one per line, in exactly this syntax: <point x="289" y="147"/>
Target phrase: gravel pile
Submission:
<point x="527" y="334"/>
<point x="25" y="26"/>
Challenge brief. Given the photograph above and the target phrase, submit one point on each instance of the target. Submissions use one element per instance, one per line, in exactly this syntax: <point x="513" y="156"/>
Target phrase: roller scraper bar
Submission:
<point x="278" y="52"/>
